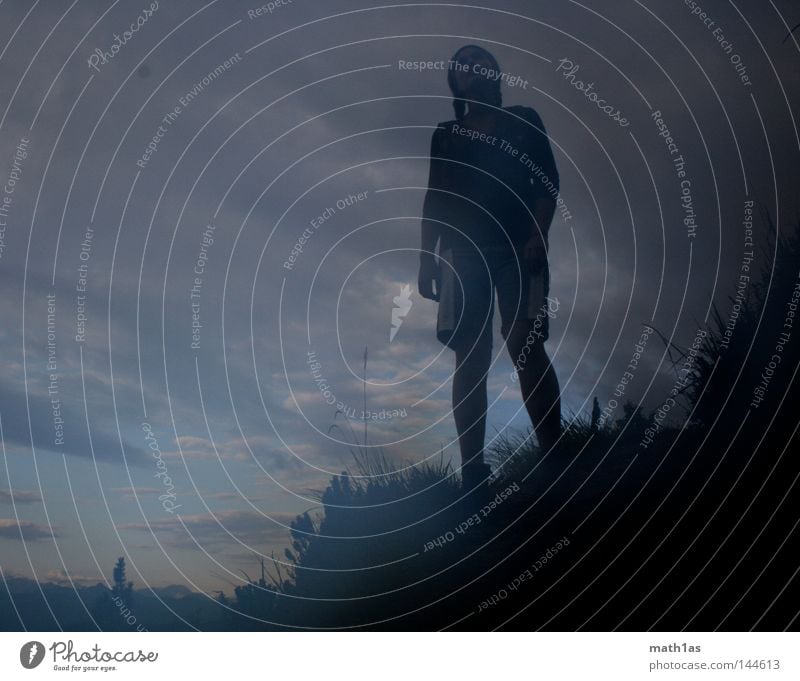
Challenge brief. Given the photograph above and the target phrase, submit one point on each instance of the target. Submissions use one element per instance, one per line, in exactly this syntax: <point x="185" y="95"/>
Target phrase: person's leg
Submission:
<point x="469" y="397"/>
<point x="522" y="292"/>
<point x="538" y="382"/>
<point x="464" y="323"/>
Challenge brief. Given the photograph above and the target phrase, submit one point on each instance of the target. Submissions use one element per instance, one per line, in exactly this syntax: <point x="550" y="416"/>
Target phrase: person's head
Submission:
<point x="474" y="74"/>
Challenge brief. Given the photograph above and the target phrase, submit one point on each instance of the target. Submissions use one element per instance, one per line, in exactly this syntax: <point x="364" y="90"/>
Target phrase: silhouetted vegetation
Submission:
<point x="634" y="523"/>
<point x="662" y="514"/>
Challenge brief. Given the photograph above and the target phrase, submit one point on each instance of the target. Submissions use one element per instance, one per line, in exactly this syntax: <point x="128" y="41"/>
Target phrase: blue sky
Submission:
<point x="312" y="111"/>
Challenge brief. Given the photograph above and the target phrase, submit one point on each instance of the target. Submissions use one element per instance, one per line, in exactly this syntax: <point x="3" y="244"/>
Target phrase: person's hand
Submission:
<point x="429" y="273"/>
<point x="534" y="252"/>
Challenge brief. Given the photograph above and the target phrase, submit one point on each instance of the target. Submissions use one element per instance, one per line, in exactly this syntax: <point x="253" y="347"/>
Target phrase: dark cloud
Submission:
<point x="25" y="530"/>
<point x="41" y="428"/>
<point x="18" y="496"/>
<point x="318" y="110"/>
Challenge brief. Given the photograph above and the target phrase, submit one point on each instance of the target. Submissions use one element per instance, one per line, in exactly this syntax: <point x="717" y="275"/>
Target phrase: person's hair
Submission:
<point x="459" y="103"/>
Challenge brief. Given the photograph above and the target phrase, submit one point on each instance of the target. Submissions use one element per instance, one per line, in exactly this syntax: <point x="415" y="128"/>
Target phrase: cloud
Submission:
<point x="18" y="496"/>
<point x="220" y="530"/>
<point x="130" y="493"/>
<point x="266" y="451"/>
<point x="29" y="531"/>
<point x="144" y="329"/>
<point x="62" y="578"/>
<point x="42" y="428"/>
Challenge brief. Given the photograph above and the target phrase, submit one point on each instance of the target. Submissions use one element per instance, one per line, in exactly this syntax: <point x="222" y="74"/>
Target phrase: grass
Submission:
<point x="655" y="525"/>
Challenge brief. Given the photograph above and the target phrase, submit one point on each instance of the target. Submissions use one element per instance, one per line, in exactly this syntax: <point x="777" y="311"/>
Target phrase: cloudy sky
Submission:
<point x="174" y="399"/>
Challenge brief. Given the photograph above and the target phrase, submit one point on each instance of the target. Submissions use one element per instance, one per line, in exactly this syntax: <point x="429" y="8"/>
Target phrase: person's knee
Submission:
<point x="525" y="345"/>
<point x="474" y="351"/>
<point x="473" y="367"/>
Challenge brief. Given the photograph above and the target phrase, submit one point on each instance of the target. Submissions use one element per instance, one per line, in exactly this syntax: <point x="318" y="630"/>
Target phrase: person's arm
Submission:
<point x="431" y="229"/>
<point x="544" y="188"/>
<point x="543" y="211"/>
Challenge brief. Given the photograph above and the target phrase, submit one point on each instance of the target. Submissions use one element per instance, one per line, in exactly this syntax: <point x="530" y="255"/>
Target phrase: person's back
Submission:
<point x="484" y="185"/>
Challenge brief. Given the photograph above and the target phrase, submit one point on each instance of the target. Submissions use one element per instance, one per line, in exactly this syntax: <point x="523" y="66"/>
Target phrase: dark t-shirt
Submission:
<point x="484" y="189"/>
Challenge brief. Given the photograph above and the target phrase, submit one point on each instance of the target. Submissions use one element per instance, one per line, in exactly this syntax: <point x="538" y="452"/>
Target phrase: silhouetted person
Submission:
<point x="489" y="207"/>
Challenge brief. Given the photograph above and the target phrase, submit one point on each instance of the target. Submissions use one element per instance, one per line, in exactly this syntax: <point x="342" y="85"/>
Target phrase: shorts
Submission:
<point x="466" y="295"/>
